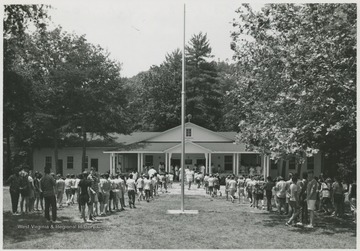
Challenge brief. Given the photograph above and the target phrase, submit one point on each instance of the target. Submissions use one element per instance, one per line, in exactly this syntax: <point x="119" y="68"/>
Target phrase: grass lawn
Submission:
<point x="219" y="224"/>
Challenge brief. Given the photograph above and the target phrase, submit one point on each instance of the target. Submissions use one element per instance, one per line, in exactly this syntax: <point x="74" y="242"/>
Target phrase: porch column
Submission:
<point x="111" y="167"/>
<point x="142" y="162"/>
<point x="264" y="165"/>
<point x="210" y="161"/>
<point x="237" y="164"/>
<point x="138" y="163"/>
<point x="239" y="160"/>
<point x="207" y="164"/>
<point x="166" y="163"/>
<point x="234" y="163"/>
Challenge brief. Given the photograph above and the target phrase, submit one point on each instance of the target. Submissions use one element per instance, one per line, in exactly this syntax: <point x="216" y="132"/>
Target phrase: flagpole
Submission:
<point x="182" y="164"/>
<point x="183" y="124"/>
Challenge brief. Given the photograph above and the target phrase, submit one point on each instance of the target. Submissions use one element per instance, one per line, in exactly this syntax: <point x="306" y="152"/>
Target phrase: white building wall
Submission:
<point x="76" y="152"/>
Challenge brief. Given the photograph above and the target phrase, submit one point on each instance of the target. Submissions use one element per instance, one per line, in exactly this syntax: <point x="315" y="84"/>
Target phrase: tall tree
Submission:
<point x="158" y="93"/>
<point x="297" y="79"/>
<point x="203" y="93"/>
<point x="17" y="86"/>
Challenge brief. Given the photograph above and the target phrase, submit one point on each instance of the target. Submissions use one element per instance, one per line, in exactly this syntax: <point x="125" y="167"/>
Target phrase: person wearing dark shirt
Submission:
<point x="85" y="191"/>
<point x="268" y="191"/>
<point x="47" y="185"/>
<point x="14" y="182"/>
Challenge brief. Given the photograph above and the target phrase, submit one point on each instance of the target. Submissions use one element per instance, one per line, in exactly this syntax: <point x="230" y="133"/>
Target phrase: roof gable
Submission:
<point x="198" y="134"/>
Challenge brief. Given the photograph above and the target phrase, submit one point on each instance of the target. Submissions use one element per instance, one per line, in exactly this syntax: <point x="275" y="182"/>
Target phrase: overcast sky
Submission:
<point x="139" y="33"/>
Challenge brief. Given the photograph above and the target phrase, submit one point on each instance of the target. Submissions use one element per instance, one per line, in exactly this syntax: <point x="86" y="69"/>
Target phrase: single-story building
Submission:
<point x="217" y="151"/>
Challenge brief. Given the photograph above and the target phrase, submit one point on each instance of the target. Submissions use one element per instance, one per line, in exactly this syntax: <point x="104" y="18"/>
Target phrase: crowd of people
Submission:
<point x="104" y="194"/>
<point x="298" y="199"/>
<point x="98" y="194"/>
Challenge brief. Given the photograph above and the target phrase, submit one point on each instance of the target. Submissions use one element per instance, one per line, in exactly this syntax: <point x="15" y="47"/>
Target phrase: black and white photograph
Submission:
<point x="179" y="124"/>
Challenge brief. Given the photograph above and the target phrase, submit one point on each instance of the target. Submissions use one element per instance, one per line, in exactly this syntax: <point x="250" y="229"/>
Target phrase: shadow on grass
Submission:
<point x="34" y="226"/>
<point x="328" y="225"/>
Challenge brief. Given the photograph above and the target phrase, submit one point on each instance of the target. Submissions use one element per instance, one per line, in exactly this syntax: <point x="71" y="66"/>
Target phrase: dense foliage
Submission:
<point x="297" y="79"/>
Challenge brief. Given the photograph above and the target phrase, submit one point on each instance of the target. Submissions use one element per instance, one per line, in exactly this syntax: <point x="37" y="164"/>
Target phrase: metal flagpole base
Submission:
<point x="182" y="212"/>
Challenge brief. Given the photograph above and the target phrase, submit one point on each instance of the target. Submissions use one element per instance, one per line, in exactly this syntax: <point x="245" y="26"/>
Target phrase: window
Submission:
<point x="188" y="162"/>
<point x="188" y="132"/>
<point x="48" y="161"/>
<point x="228" y="163"/>
<point x="310" y="163"/>
<point x="70" y="162"/>
<point x="149" y="160"/>
<point x="95" y="164"/>
<point x="292" y="163"/>
<point x="273" y="164"/>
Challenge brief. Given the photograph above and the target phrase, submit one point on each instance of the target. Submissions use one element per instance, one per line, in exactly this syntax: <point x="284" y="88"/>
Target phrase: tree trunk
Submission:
<point x="83" y="131"/>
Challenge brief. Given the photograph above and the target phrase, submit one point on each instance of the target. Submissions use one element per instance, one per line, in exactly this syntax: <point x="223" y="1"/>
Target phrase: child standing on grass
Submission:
<point x="122" y="191"/>
<point x="38" y="192"/>
<point x="293" y="200"/>
<point x="84" y="197"/>
<point x="131" y="188"/>
<point x="112" y="197"/>
<point x="217" y="185"/>
<point x="68" y="189"/>
<point x="268" y="192"/>
<point x="60" y="189"/>
<point x="227" y="179"/>
<point x="241" y="188"/>
<point x="165" y="181"/>
<point x="140" y="186"/>
<point x="211" y="181"/>
<point x="24" y="191"/>
<point x="206" y="183"/>
<point x="232" y="188"/>
<point x="171" y="180"/>
<point x="73" y="189"/>
<point x="147" y="188"/>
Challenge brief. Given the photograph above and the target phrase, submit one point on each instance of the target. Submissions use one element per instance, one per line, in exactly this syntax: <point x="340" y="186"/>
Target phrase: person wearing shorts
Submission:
<point x="68" y="183"/>
<point x="73" y="189"/>
<point x="232" y="188"/>
<point x="241" y="188"/>
<point x="117" y="193"/>
<point x="211" y="181"/>
<point x="294" y="190"/>
<point x="280" y="189"/>
<point x="105" y="187"/>
<point x="24" y="191"/>
<point x="206" y="183"/>
<point x="147" y="188"/>
<point x="311" y="193"/>
<point x="60" y="188"/>
<point x="131" y="188"/>
<point x="140" y="186"/>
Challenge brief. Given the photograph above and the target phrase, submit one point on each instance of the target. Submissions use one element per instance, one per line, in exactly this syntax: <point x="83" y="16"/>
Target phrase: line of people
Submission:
<point x="296" y="198"/>
<point x="100" y="194"/>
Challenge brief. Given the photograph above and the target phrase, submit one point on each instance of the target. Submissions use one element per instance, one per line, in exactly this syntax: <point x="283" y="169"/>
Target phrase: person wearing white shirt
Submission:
<point x="189" y="177"/>
<point x="131" y="187"/>
<point x="147" y="188"/>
